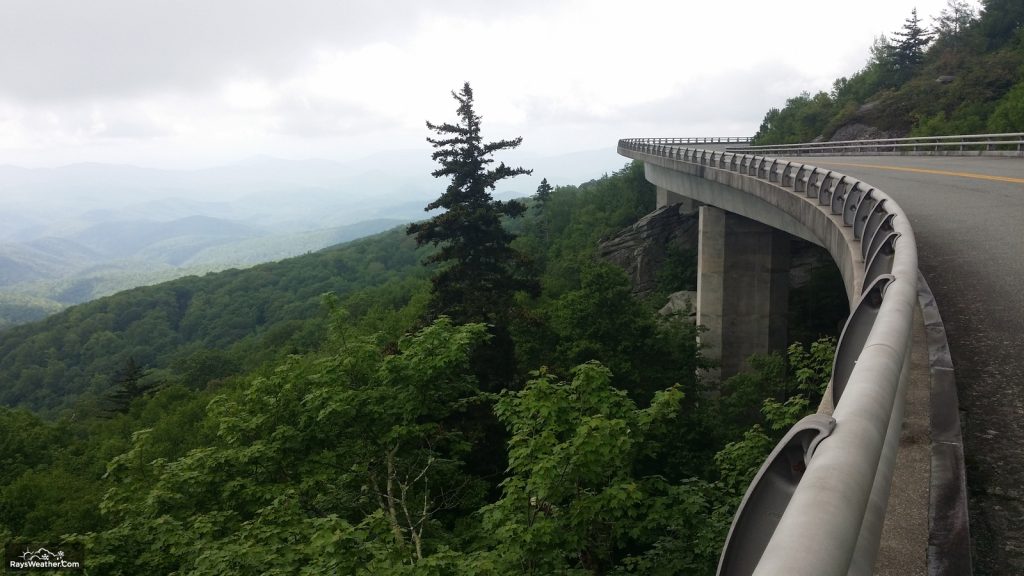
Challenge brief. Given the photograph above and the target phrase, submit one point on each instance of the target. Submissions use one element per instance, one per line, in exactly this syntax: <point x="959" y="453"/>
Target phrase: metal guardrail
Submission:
<point x="817" y="505"/>
<point x="972" y="144"/>
<point x="702" y="140"/>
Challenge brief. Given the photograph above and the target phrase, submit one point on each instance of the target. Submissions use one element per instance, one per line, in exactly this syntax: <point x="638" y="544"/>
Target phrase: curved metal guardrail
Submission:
<point x="703" y="140"/>
<point x="817" y="505"/>
<point x="1010" y="144"/>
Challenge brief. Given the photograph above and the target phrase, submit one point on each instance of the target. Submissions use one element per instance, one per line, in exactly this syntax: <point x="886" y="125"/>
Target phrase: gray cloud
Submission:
<point x="180" y="82"/>
<point x="59" y="50"/>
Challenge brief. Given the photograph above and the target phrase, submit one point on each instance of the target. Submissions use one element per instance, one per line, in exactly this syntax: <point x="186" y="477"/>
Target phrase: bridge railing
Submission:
<point x="817" y="505"/>
<point x="1009" y="144"/>
<point x="703" y="140"/>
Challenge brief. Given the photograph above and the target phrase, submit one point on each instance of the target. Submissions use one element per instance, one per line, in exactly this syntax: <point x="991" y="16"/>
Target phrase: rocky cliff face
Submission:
<point x="817" y="298"/>
<point x="641" y="249"/>
<point x="857" y="131"/>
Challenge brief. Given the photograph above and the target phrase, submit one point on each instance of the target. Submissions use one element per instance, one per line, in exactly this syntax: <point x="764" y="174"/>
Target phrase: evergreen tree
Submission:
<point x="481" y="271"/>
<point x="908" y="51"/>
<point x="1001" y="20"/>
<point x="543" y="194"/>
<point x="542" y="197"/>
<point x="128" y="386"/>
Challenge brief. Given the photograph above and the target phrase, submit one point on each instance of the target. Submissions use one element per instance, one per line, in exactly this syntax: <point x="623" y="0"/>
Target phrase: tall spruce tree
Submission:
<point x="1001" y="20"/>
<point x="543" y="194"/>
<point x="480" y="271"/>
<point x="908" y="50"/>
<point x="128" y="385"/>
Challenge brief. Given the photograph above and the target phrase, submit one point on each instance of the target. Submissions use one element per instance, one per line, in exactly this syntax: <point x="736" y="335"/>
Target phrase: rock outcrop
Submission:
<point x="642" y="248"/>
<point x="860" y="132"/>
<point x="682" y="302"/>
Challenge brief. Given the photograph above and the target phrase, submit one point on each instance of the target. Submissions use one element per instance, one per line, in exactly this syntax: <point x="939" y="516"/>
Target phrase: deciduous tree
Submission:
<point x="954" y="19"/>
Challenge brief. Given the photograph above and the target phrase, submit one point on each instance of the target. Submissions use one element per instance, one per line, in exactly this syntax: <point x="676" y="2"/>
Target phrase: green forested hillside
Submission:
<point x="43" y="276"/>
<point x="958" y="72"/>
<point x="226" y="322"/>
<point x="242" y="422"/>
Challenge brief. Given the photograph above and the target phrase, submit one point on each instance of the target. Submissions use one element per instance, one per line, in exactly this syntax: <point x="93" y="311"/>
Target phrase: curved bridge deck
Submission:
<point x="968" y="216"/>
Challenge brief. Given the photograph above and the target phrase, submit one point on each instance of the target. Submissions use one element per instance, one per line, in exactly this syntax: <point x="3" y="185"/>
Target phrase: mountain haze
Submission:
<point x="78" y="232"/>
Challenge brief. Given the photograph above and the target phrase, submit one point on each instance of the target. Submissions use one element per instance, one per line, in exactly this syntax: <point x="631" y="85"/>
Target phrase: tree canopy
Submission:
<point x="344" y="439"/>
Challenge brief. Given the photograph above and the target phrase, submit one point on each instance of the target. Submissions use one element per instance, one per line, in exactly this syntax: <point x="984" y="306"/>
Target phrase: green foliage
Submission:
<point x="53" y="483"/>
<point x="326" y="462"/>
<point x="294" y="432"/>
<point x="739" y="461"/>
<point x="954" y="20"/>
<point x="572" y="502"/>
<point x="896" y="92"/>
<point x="1001" y="21"/>
<point x="790" y="391"/>
<point x="229" y="322"/>
<point x="129" y="384"/>
<point x="1009" y="113"/>
<point x="786" y="392"/>
<point x="677" y="272"/>
<point x="578" y="217"/>
<point x="801" y="120"/>
<point x="602" y="321"/>
<point x="23" y="308"/>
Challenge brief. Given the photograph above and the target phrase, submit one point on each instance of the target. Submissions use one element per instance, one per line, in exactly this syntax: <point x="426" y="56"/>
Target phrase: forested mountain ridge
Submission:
<point x="960" y="73"/>
<point x="47" y="274"/>
<point x="192" y="323"/>
<point x="241" y="422"/>
<point x="269" y="427"/>
<point x="74" y="233"/>
<point x="196" y="328"/>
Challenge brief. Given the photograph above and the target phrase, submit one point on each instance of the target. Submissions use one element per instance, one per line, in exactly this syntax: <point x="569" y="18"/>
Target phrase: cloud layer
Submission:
<point x="186" y="82"/>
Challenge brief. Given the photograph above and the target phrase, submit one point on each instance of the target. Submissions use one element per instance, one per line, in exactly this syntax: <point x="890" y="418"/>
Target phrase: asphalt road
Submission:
<point x="968" y="216"/>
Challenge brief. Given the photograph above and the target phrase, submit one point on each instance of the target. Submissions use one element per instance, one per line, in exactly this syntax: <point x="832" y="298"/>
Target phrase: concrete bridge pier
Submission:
<point x="742" y="287"/>
<point x="667" y="197"/>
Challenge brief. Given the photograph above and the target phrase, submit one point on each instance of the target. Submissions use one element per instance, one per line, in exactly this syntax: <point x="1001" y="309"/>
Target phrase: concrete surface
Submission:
<point x="742" y="288"/>
<point x="904" y="543"/>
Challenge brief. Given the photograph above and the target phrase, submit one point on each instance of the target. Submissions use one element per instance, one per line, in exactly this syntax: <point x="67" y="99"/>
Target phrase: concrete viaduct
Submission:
<point x="900" y="219"/>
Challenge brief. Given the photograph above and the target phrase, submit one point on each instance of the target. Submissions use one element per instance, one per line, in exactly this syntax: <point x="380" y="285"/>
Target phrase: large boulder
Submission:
<point x="682" y="302"/>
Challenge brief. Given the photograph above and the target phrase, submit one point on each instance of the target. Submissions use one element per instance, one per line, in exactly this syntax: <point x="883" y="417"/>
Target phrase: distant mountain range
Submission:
<point x="78" y="232"/>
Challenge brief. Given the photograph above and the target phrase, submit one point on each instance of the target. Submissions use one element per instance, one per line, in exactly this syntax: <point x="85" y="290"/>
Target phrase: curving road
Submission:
<point x="968" y="216"/>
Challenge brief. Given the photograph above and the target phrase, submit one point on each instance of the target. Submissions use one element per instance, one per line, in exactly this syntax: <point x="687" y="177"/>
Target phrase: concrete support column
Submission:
<point x="667" y="197"/>
<point x="742" y="287"/>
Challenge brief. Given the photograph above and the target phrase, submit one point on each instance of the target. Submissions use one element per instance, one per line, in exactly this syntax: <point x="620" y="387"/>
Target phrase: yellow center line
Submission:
<point x="930" y="171"/>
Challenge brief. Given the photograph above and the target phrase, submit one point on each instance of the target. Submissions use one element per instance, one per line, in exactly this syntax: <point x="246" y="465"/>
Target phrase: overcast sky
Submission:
<point x="191" y="83"/>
